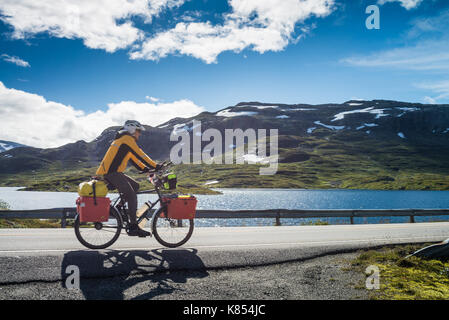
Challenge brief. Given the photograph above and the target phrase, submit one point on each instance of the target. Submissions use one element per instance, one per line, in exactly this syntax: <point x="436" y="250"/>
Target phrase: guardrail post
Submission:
<point x="63" y="219"/>
<point x="351" y="218"/>
<point x="412" y="219"/>
<point x="278" y="218"/>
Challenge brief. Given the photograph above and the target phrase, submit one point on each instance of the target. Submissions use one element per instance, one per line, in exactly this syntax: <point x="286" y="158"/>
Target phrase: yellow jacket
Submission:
<point x="123" y="149"/>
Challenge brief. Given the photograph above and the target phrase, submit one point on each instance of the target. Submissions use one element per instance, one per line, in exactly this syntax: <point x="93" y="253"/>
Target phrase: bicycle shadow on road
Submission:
<point x="137" y="274"/>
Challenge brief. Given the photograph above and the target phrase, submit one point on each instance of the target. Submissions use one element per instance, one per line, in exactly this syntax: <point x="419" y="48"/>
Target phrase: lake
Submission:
<point x="236" y="199"/>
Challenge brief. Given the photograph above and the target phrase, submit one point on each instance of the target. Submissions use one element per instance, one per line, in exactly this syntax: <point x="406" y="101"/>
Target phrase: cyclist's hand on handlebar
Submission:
<point x="167" y="163"/>
<point x="145" y="170"/>
<point x="159" y="166"/>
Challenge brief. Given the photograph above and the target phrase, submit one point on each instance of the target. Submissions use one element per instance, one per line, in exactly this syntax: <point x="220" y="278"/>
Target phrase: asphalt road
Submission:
<point x="34" y="262"/>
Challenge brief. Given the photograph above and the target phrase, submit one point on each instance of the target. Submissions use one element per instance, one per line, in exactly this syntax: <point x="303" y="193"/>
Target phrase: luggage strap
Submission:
<point x="95" y="195"/>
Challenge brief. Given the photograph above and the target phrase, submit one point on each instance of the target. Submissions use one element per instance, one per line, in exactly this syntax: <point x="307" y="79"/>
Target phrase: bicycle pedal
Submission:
<point x="142" y="236"/>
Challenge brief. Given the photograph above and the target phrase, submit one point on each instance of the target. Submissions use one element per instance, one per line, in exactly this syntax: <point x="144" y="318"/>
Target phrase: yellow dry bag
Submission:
<point x="86" y="189"/>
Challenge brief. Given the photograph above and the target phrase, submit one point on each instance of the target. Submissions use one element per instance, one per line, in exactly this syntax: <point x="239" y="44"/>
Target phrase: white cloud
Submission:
<point x="32" y="120"/>
<point x="441" y="88"/>
<point x="429" y="26"/>
<point x="153" y="99"/>
<point x="15" y="60"/>
<point x="407" y="4"/>
<point x="262" y="25"/>
<point x="429" y="100"/>
<point x="427" y="55"/>
<point x="95" y="22"/>
<point x="426" y="47"/>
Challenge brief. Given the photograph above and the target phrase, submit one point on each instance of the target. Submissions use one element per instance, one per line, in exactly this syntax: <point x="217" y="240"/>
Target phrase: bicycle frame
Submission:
<point x="150" y="205"/>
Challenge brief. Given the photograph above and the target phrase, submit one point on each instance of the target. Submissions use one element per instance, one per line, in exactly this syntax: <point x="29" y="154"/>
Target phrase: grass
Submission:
<point x="3" y="205"/>
<point x="322" y="162"/>
<point x="26" y="223"/>
<point x="405" y="279"/>
<point x="66" y="178"/>
<point x="29" y="223"/>
<point x="333" y="162"/>
<point x="315" y="223"/>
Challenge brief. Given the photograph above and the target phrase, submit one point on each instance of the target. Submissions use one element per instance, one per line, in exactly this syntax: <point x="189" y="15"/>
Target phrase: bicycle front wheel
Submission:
<point x="99" y="235"/>
<point x="171" y="233"/>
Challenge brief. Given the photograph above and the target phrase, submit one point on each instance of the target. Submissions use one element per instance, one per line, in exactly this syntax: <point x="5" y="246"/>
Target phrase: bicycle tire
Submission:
<point x="114" y="213"/>
<point x="162" y="239"/>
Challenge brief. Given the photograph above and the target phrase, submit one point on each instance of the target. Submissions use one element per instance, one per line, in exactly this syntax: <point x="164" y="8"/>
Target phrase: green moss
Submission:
<point x="405" y="279"/>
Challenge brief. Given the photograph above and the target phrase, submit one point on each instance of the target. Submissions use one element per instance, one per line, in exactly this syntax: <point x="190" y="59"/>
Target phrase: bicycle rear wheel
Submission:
<point x="171" y="233"/>
<point x="99" y="235"/>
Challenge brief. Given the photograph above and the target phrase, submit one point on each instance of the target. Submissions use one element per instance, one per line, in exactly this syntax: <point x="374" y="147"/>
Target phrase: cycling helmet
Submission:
<point x="132" y="125"/>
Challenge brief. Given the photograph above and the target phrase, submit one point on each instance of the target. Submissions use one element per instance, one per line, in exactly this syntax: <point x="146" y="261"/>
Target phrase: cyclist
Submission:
<point x="124" y="149"/>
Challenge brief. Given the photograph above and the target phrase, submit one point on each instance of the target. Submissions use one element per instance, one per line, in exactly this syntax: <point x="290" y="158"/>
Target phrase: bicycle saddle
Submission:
<point x="109" y="185"/>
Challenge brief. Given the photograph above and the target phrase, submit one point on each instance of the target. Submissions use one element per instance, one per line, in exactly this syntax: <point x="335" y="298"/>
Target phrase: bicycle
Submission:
<point x="168" y="232"/>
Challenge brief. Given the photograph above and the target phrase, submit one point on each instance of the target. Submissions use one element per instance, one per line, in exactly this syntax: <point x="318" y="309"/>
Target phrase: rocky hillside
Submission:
<point x="8" y="145"/>
<point x="357" y="128"/>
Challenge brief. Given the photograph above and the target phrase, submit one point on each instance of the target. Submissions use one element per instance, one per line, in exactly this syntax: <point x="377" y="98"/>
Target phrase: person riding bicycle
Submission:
<point x="124" y="149"/>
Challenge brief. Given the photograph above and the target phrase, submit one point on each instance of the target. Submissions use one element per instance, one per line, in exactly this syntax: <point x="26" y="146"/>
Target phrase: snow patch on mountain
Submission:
<point x="7" y="145"/>
<point x="179" y="127"/>
<point x="378" y="112"/>
<point x="211" y="182"/>
<point x="258" y="107"/>
<point x="408" y="109"/>
<point x="367" y="125"/>
<point x="328" y="126"/>
<point x="184" y="127"/>
<point x="226" y="113"/>
<point x="252" y="158"/>
<point x="405" y="110"/>
<point x="300" y="109"/>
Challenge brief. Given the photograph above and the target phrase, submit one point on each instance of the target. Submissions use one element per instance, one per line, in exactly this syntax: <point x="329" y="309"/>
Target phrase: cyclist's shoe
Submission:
<point x="134" y="231"/>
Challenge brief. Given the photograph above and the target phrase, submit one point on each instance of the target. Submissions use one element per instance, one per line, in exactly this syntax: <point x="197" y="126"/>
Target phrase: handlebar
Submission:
<point x="163" y="166"/>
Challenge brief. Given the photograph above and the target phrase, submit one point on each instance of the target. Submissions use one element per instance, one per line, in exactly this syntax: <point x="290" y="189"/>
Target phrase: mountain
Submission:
<point x="78" y="153"/>
<point x="388" y="140"/>
<point x="378" y="119"/>
<point x="8" y="145"/>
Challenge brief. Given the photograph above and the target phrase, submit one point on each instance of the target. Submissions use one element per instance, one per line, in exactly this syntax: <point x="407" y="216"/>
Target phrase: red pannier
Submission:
<point x="180" y="207"/>
<point x="93" y="209"/>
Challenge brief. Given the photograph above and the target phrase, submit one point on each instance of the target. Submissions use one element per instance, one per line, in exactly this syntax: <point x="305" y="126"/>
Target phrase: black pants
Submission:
<point x="128" y="187"/>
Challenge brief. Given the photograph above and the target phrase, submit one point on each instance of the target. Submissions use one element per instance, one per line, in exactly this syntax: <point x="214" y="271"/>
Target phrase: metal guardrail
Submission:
<point x="277" y="214"/>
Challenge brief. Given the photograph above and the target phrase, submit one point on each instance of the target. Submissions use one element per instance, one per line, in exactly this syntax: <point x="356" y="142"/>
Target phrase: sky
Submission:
<point x="70" y="69"/>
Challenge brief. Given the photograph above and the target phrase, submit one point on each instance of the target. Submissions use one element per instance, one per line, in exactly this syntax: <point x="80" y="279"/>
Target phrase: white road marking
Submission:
<point x="414" y="239"/>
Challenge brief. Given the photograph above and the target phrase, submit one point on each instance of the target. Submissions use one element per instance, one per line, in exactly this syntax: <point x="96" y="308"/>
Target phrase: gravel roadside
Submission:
<point x="319" y="278"/>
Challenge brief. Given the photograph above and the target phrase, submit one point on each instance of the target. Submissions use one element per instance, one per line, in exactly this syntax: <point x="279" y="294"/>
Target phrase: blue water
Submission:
<point x="237" y="199"/>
